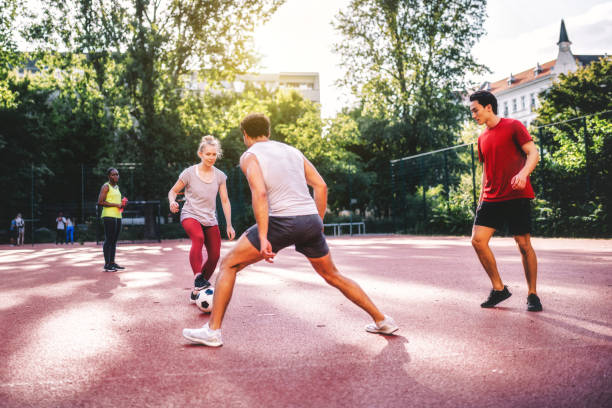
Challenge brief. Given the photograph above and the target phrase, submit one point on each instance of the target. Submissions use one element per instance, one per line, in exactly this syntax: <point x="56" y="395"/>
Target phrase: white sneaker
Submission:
<point x="386" y="326"/>
<point x="205" y="336"/>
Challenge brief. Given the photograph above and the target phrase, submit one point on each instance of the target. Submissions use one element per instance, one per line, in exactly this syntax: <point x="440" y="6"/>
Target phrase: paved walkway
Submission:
<point x="75" y="336"/>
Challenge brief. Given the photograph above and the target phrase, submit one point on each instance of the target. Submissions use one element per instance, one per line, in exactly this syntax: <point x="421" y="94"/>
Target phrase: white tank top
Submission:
<point x="283" y="173"/>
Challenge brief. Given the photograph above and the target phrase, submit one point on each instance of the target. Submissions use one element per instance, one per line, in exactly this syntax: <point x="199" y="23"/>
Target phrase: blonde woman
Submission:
<point x="202" y="182"/>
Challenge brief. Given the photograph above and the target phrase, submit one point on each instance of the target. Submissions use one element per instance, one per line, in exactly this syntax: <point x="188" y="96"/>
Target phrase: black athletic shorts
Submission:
<point x="303" y="231"/>
<point x="516" y="214"/>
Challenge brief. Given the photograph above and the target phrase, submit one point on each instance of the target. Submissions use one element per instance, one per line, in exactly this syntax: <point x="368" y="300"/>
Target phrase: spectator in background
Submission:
<point x="69" y="230"/>
<point x="60" y="229"/>
<point x="112" y="207"/>
<point x="19" y="229"/>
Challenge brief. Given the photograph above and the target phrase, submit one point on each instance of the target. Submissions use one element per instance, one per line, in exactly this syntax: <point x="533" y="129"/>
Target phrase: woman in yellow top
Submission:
<point x="110" y="200"/>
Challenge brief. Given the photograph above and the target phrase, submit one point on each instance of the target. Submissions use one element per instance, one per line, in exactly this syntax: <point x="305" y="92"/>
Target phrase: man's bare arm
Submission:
<point x="519" y="181"/>
<point x="259" y="196"/>
<point x="319" y="187"/>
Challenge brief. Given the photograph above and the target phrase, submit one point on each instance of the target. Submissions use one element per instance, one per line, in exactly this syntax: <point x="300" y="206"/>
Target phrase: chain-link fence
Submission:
<point x="437" y="192"/>
<point x="430" y="193"/>
<point x="42" y="192"/>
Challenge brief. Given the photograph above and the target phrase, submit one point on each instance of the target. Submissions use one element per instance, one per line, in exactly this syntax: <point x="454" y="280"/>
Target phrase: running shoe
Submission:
<point x="496" y="296"/>
<point x="205" y="336"/>
<point x="533" y="303"/>
<point x="114" y="265"/>
<point x="386" y="326"/>
<point x="109" y="268"/>
<point x="200" y="282"/>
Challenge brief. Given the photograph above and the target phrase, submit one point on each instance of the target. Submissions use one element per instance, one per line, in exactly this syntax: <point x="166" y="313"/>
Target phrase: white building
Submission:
<point x="306" y="83"/>
<point x="517" y="95"/>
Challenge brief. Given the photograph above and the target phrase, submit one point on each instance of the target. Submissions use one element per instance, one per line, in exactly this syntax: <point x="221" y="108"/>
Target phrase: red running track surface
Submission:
<point x="73" y="335"/>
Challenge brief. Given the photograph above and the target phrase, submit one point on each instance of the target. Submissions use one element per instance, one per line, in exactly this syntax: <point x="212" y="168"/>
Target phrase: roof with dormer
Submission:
<point x="522" y="78"/>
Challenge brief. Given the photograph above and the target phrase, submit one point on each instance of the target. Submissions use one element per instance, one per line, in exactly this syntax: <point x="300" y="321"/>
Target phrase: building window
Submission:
<point x="514" y="105"/>
<point x="523" y="102"/>
<point x="533" y="102"/>
<point x="506" y="109"/>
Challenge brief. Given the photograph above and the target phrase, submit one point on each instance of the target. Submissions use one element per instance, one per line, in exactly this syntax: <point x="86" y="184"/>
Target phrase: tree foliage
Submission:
<point x="141" y="52"/>
<point x="575" y="135"/>
<point x="407" y="60"/>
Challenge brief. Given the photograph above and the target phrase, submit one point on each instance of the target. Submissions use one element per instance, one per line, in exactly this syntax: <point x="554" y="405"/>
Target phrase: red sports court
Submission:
<point x="76" y="336"/>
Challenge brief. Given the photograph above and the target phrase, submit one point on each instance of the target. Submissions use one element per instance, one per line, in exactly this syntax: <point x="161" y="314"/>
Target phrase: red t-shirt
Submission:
<point x="500" y="150"/>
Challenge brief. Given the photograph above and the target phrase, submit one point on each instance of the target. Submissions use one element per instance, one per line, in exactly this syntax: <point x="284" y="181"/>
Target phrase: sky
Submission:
<point x="519" y="33"/>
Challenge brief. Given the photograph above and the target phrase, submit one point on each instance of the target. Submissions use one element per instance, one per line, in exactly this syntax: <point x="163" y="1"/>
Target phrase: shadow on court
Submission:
<point x="76" y="336"/>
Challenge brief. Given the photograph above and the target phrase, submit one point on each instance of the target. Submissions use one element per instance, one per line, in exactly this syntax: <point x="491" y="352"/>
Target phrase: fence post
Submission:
<point x="392" y="182"/>
<point x="423" y="183"/>
<point x="446" y="182"/>
<point x="82" y="193"/>
<point x="587" y="147"/>
<point x="32" y="203"/>
<point x="473" y="178"/>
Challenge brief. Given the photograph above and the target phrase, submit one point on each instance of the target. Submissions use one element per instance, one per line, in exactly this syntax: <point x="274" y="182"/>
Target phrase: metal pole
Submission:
<point x="446" y="181"/>
<point x="586" y="157"/>
<point x="82" y="193"/>
<point x="32" y="204"/>
<point x="350" y="202"/>
<point x="422" y="175"/>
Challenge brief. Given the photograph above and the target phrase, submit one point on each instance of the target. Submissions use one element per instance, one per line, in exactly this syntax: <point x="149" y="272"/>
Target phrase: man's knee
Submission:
<point x="524" y="244"/>
<point x="479" y="243"/>
<point x="331" y="276"/>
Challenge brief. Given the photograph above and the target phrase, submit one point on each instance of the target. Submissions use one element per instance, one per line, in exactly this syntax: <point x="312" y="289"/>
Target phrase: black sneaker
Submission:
<point x="114" y="265"/>
<point x="496" y="296"/>
<point x="200" y="282"/>
<point x="109" y="268"/>
<point x="533" y="303"/>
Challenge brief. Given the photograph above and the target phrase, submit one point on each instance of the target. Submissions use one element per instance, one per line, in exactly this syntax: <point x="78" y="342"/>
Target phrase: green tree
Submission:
<point x="141" y="52"/>
<point x="55" y="125"/>
<point x="406" y="61"/>
<point x="153" y="45"/>
<point x="9" y="56"/>
<point x="574" y="131"/>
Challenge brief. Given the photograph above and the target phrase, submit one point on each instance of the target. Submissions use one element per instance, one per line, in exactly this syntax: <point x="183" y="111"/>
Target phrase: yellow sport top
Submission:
<point x="113" y="196"/>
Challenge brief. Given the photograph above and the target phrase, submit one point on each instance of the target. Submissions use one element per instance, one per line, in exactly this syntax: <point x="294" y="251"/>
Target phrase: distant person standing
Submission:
<point x="20" y="229"/>
<point x="111" y="203"/>
<point x="17" y="230"/>
<point x="202" y="182"/>
<point x="509" y="155"/>
<point x="60" y="228"/>
<point x="69" y="230"/>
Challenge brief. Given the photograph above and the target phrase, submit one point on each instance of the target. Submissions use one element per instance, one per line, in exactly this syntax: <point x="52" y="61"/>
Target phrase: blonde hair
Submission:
<point x="209" y="140"/>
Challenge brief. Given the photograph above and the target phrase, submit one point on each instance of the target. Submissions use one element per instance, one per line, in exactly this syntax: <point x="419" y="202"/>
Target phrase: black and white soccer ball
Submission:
<point x="204" y="301"/>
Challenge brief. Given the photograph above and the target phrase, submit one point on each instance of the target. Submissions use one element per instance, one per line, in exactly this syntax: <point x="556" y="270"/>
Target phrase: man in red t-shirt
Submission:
<point x="509" y="155"/>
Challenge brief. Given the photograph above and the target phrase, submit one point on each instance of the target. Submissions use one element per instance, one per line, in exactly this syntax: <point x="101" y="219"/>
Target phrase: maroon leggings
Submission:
<point x="200" y="236"/>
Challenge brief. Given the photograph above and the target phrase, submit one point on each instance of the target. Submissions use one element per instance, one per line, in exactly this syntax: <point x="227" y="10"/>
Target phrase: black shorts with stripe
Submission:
<point x="303" y="231"/>
<point x="514" y="214"/>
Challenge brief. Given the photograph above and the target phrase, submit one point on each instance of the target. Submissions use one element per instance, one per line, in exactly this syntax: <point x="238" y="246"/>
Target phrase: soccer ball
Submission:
<point x="204" y="301"/>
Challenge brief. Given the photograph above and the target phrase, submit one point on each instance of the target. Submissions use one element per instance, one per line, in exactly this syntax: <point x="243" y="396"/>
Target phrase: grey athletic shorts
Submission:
<point x="303" y="231"/>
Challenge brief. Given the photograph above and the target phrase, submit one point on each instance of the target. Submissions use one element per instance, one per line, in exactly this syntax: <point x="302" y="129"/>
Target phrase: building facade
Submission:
<point x="517" y="94"/>
<point x="306" y="83"/>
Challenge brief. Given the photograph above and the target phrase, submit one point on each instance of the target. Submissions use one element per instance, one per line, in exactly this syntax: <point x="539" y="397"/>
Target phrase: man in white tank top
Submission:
<point x="286" y="214"/>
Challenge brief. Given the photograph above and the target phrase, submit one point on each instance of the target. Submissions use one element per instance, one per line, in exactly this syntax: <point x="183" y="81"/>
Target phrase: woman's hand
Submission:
<point x="174" y="207"/>
<point x="230" y="232"/>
